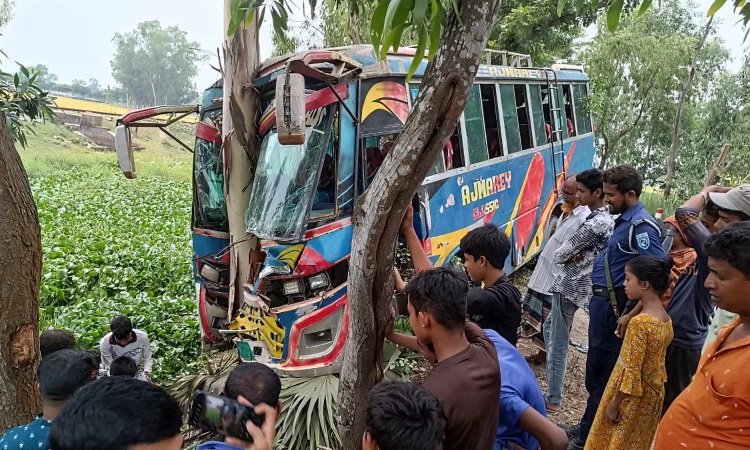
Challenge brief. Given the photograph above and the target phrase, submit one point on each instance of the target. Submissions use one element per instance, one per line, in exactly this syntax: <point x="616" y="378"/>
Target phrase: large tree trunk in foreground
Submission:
<point x="20" y="275"/>
<point x="378" y="212"/>
<point x="684" y="96"/>
<point x="239" y="131"/>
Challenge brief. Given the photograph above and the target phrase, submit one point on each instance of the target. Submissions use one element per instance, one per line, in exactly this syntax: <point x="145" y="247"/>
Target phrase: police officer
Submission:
<point x="636" y="233"/>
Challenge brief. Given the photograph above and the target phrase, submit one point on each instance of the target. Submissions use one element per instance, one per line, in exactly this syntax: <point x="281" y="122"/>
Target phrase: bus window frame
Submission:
<point x="336" y="166"/>
<point x="464" y="143"/>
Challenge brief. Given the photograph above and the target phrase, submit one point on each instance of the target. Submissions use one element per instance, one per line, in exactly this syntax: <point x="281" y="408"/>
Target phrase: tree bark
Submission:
<point x="684" y="96"/>
<point x="711" y="176"/>
<point x="239" y="129"/>
<point x="378" y="212"/>
<point x="20" y="275"/>
<point x="354" y="32"/>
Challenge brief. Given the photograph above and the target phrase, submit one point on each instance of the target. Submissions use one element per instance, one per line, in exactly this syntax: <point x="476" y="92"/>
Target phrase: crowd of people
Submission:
<point x="668" y="338"/>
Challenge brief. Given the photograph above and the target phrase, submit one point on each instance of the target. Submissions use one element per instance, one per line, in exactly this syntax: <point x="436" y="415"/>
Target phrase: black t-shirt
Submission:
<point x="497" y="307"/>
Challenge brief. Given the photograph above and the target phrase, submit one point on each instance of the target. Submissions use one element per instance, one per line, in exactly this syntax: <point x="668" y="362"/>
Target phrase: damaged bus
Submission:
<point x="522" y="130"/>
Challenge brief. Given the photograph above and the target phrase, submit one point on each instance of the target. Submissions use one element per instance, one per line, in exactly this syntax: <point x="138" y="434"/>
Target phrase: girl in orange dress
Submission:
<point x="631" y="405"/>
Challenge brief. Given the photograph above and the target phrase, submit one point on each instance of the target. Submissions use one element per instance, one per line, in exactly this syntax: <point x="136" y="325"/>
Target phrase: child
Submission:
<point x="466" y="375"/>
<point x="639" y="374"/>
<point x="123" y="366"/>
<point x="402" y="416"/>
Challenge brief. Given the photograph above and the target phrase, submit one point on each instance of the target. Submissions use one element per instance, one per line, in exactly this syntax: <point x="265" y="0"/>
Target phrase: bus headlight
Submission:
<point x="292" y="287"/>
<point x="319" y="281"/>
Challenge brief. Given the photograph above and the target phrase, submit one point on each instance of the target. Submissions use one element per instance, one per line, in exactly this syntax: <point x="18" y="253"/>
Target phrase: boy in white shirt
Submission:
<point x="123" y="340"/>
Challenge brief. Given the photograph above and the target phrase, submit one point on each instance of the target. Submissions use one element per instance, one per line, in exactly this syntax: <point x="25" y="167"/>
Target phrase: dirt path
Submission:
<point x="574" y="393"/>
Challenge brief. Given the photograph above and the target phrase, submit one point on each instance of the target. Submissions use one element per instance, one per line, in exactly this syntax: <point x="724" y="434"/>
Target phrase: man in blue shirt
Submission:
<point x="60" y="374"/>
<point x="636" y="233"/>
<point x="523" y="421"/>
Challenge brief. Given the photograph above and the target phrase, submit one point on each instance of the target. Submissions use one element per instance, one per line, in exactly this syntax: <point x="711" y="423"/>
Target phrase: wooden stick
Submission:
<point x="715" y="169"/>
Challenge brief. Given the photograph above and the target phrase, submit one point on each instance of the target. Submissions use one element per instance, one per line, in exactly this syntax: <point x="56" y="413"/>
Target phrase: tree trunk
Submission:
<point x="684" y="96"/>
<point x="378" y="212"/>
<point x="20" y="275"/>
<point x="354" y="32"/>
<point x="711" y="176"/>
<point x="239" y="129"/>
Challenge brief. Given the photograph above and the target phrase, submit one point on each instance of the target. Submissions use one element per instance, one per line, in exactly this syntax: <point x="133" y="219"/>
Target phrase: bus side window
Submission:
<point x="376" y="148"/>
<point x="453" y="152"/>
<point x="516" y="117"/>
<point x="568" y="102"/>
<point x="542" y="128"/>
<point x="489" y="108"/>
<point x="475" y="131"/>
<point x="580" y="104"/>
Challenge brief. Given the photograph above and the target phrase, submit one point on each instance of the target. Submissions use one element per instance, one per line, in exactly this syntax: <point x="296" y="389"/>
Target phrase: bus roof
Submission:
<point x="397" y="65"/>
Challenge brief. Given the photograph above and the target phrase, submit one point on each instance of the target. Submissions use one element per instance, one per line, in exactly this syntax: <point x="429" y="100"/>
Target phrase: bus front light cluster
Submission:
<point x="292" y="287"/>
<point x="319" y="281"/>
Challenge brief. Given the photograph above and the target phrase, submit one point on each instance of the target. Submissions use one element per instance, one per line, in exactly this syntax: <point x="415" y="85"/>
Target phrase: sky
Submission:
<point x="73" y="38"/>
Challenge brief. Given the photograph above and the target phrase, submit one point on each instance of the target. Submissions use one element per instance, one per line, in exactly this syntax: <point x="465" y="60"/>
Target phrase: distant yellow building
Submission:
<point x="74" y="104"/>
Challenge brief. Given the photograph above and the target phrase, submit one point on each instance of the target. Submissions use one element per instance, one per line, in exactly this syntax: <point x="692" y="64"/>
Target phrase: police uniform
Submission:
<point x="636" y="233"/>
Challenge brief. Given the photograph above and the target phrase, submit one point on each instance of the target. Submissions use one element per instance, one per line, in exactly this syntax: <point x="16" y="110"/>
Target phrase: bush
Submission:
<point x="115" y="246"/>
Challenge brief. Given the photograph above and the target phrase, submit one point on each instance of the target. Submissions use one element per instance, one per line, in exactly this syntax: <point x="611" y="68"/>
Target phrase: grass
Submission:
<point x="114" y="246"/>
<point x="55" y="149"/>
<point x="655" y="199"/>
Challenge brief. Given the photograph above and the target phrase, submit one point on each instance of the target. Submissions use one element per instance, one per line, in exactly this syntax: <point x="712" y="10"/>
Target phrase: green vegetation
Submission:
<point x="116" y="246"/>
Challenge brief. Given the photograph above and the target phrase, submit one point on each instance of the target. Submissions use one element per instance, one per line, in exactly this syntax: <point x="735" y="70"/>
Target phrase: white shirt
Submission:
<point x="138" y="348"/>
<point x="546" y="270"/>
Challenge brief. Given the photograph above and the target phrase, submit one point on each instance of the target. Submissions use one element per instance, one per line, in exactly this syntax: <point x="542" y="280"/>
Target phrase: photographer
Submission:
<point x="253" y="384"/>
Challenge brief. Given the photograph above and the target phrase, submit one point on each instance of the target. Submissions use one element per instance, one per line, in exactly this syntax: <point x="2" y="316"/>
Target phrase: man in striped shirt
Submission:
<point x="538" y="300"/>
<point x="571" y="288"/>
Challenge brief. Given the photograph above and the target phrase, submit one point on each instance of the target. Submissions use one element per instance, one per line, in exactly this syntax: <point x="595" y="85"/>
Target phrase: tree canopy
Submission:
<point x="156" y="65"/>
<point x="636" y="76"/>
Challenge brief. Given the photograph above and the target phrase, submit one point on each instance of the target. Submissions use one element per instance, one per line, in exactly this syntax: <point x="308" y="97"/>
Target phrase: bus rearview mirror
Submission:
<point x="124" y="149"/>
<point x="290" y="109"/>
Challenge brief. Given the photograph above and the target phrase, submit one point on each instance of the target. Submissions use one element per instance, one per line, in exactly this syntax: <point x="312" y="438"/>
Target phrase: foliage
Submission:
<point x="113" y="246"/>
<point x="616" y="8"/>
<point x="78" y="88"/>
<point x="533" y="27"/>
<point x="211" y="377"/>
<point x="6" y="11"/>
<point x="390" y="20"/>
<point x="20" y="99"/>
<point x="156" y="65"/>
<point x="636" y="76"/>
<point x="721" y="118"/>
<point x="308" y="417"/>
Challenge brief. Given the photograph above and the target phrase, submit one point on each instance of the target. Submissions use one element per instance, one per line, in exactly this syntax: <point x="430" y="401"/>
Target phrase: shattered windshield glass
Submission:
<point x="210" y="208"/>
<point x="285" y="181"/>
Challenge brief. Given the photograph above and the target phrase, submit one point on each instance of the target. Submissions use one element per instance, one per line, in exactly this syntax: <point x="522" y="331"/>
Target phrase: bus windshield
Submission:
<point x="285" y="181"/>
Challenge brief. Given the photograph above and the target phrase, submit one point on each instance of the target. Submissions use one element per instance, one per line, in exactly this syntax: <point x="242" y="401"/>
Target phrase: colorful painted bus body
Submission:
<point x="522" y="131"/>
<point x="504" y="165"/>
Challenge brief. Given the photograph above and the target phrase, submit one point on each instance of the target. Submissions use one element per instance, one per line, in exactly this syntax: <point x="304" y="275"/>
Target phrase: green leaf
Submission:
<point x="419" y="12"/>
<point x="613" y="15"/>
<point x="645" y="5"/>
<point x="16" y="80"/>
<point x="250" y="17"/>
<point x="594" y="5"/>
<point x="234" y="17"/>
<point x="390" y="13"/>
<point x="436" y="24"/>
<point x="455" y="9"/>
<point x="715" y="6"/>
<point x="377" y="22"/>
<point x="419" y="55"/>
<point x="561" y="7"/>
<point x="393" y="38"/>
